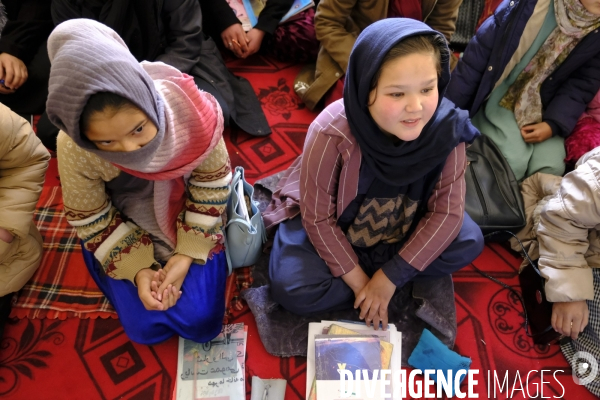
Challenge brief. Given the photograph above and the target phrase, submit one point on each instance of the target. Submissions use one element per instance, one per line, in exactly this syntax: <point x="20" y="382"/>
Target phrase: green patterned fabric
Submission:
<point x="500" y="125"/>
<point x="523" y="97"/>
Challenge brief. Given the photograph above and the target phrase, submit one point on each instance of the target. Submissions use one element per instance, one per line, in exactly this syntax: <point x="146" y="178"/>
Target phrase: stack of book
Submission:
<point x="354" y="352"/>
<point x="213" y="370"/>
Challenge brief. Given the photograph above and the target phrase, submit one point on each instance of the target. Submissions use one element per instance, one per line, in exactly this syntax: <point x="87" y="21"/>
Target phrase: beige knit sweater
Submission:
<point x="121" y="247"/>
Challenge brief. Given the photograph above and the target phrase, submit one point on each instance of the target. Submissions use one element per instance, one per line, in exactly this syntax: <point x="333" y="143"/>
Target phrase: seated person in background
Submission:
<point x="23" y="164"/>
<point x="292" y="41"/>
<point x="173" y="34"/>
<point x="146" y="177"/>
<point x="339" y="22"/>
<point x="24" y="64"/>
<point x="528" y="75"/>
<point x="586" y="134"/>
<point x="569" y="242"/>
<point x="377" y="197"/>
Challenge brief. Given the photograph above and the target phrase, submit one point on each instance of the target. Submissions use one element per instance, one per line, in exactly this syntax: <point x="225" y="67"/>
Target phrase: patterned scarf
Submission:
<point x="523" y="97"/>
<point x="87" y="58"/>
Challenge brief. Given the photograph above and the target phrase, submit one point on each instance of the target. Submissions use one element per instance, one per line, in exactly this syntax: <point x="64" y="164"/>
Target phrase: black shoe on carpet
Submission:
<point x="4" y="311"/>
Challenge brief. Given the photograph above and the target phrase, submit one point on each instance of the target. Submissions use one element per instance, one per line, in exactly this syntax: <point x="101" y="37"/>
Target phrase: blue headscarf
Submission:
<point x="405" y="162"/>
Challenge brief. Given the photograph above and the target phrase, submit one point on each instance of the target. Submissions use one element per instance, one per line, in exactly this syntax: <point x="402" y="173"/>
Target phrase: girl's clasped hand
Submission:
<point x="160" y="290"/>
<point x="240" y="43"/>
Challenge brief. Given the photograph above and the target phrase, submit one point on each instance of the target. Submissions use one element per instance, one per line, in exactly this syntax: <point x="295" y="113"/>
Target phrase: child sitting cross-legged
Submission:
<point x="376" y="199"/>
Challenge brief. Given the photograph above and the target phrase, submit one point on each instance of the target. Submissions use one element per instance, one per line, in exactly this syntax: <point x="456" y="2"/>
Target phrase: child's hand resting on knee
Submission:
<point x="570" y="318"/>
<point x="536" y="133"/>
<point x="146" y="280"/>
<point x="175" y="272"/>
<point x="374" y="298"/>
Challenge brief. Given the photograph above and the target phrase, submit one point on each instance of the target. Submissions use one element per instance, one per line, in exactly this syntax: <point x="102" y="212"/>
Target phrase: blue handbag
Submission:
<point x="245" y="230"/>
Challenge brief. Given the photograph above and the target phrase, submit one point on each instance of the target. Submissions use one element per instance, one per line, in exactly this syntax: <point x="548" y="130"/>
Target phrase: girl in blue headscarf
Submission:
<point x="377" y="197"/>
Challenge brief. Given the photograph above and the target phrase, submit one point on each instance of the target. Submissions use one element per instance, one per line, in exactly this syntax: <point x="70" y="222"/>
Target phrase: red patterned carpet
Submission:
<point x="74" y="352"/>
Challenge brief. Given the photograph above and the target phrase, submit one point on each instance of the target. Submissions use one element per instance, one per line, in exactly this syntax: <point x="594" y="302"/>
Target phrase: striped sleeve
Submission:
<point x="121" y="247"/>
<point x="199" y="226"/>
<point x="319" y="179"/>
<point x="443" y="220"/>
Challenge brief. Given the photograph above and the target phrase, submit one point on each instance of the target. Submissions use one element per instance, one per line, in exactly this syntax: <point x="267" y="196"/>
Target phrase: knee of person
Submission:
<point x="143" y="337"/>
<point x="206" y="319"/>
<point x="478" y="242"/>
<point x="292" y="301"/>
<point x="474" y="245"/>
<point x="20" y="266"/>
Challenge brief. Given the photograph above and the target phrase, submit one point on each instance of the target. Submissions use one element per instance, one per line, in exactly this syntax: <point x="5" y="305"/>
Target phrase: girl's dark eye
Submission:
<point x="139" y="129"/>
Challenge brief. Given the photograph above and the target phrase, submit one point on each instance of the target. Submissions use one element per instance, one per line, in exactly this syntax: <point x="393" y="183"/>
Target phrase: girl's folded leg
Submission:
<point x="198" y="314"/>
<point x="300" y="280"/>
<point x="548" y="157"/>
<point x="467" y="246"/>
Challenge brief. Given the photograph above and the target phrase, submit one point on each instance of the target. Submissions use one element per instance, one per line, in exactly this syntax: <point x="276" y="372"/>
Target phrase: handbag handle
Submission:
<point x="253" y="224"/>
<point x="227" y="257"/>
<point x="533" y="264"/>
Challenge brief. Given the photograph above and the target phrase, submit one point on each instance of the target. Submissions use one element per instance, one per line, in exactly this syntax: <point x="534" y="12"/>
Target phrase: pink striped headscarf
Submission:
<point x="87" y="58"/>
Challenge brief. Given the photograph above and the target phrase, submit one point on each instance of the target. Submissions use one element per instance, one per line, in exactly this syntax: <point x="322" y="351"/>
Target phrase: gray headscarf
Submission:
<point x="88" y="57"/>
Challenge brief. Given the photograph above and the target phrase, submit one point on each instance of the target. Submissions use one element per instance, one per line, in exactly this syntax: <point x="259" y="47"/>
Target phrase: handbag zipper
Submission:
<point x="478" y="190"/>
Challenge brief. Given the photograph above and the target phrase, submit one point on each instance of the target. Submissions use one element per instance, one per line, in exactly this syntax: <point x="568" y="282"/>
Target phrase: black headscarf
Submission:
<point x="407" y="161"/>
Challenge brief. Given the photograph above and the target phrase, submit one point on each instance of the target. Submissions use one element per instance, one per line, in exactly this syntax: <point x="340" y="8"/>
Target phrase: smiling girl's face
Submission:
<point x="406" y="95"/>
<point x="120" y="130"/>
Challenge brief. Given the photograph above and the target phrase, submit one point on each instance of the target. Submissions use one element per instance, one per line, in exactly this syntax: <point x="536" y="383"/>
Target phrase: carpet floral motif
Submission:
<point x="280" y="100"/>
<point x="21" y="356"/>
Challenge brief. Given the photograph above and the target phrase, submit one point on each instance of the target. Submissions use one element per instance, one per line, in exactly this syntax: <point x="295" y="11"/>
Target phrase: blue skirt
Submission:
<point x="198" y="314"/>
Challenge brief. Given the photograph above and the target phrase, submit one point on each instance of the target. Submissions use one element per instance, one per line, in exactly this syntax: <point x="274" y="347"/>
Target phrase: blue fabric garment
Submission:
<point x="303" y="284"/>
<point x="400" y="164"/>
<point x="565" y="93"/>
<point x="431" y="353"/>
<point x="198" y="314"/>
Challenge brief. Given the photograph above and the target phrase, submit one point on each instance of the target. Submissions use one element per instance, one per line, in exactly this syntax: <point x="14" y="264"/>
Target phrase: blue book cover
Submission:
<point x="351" y="352"/>
<point x="254" y="7"/>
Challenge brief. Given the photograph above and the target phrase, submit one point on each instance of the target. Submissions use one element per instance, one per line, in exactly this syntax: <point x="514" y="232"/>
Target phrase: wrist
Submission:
<point x="356" y="279"/>
<point x="135" y="278"/>
<point x="184" y="257"/>
<point x="139" y="274"/>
